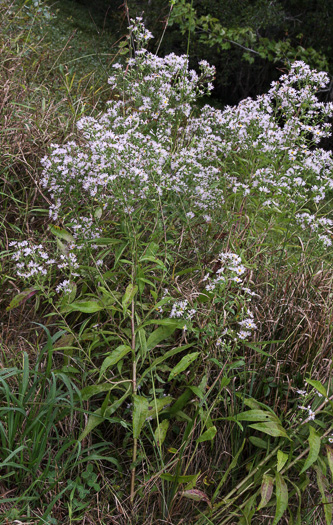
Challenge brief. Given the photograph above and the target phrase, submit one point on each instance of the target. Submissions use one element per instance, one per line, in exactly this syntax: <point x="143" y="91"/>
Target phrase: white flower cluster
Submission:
<point x="317" y="223"/>
<point x="232" y="268"/>
<point x="129" y="157"/>
<point x="64" y="287"/>
<point x="31" y="260"/>
<point x="231" y="262"/>
<point x="134" y="154"/>
<point x="280" y="131"/>
<point x="311" y="415"/>
<point x="160" y="85"/>
<point x="34" y="263"/>
<point x="180" y="309"/>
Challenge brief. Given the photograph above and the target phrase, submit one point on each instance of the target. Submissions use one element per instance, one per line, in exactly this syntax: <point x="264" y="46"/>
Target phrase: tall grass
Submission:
<point x="179" y="260"/>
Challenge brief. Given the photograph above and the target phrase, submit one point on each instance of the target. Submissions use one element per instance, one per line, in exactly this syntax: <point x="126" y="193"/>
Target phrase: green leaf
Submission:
<point x="299" y="506"/>
<point x="181" y="402"/>
<point x="114" y="357"/>
<point x="208" y="435"/>
<point x="61" y="234"/>
<point x="87" y="307"/>
<point x="232" y="465"/>
<point x="140" y="414"/>
<point x="96" y="418"/>
<point x="143" y="343"/>
<point x="318" y="386"/>
<point x="282" y="459"/>
<point x="162" y="358"/>
<point x="153" y="259"/>
<point x="176" y="323"/>
<point x="183" y="364"/>
<point x="326" y="498"/>
<point x="157" y="404"/>
<point x="281" y="497"/>
<point x="252" y="403"/>
<point x="197" y="391"/>
<point x="257" y="415"/>
<point x="103" y="241"/>
<point x="174" y="478"/>
<point x="25" y="377"/>
<point x="266" y="490"/>
<point x="161" y="333"/>
<point x="314" y="442"/>
<point x="255" y="347"/>
<point x="257" y="442"/>
<point x="92" y="390"/>
<point x="21" y="298"/>
<point x="329" y="452"/>
<point x="196" y="495"/>
<point x="161" y="431"/>
<point x="128" y="296"/>
<point x="256" y="405"/>
<point x="271" y="428"/>
<point x="144" y="408"/>
<point x="98" y="213"/>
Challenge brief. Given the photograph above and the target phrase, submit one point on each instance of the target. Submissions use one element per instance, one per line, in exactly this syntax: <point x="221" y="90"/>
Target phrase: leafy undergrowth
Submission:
<point x="167" y="305"/>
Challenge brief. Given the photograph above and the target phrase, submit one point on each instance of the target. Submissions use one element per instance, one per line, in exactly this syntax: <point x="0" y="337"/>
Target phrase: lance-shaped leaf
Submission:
<point x="155" y="406"/>
<point x="101" y="414"/>
<point x="140" y="414"/>
<point x="183" y="364"/>
<point x="326" y="498"/>
<point x="257" y="415"/>
<point x="128" y="296"/>
<point x="329" y="452"/>
<point x="160" y="334"/>
<point x="61" y="233"/>
<point x="160" y="432"/>
<point x="266" y="490"/>
<point x="176" y="323"/>
<point x="114" y="357"/>
<point x="88" y="307"/>
<point x="208" y="435"/>
<point x="271" y="428"/>
<point x="314" y="442"/>
<point x="318" y="386"/>
<point x="144" y="408"/>
<point x="21" y="298"/>
<point x="282" y="459"/>
<point x="92" y="390"/>
<point x="174" y="478"/>
<point x="281" y="497"/>
<point x="162" y="358"/>
<point x="196" y="495"/>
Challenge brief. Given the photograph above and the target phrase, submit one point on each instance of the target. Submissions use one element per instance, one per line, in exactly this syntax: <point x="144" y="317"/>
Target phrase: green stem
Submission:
<point x="134" y="390"/>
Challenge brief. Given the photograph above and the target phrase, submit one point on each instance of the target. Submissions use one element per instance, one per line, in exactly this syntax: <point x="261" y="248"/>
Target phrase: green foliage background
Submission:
<point x="248" y="41"/>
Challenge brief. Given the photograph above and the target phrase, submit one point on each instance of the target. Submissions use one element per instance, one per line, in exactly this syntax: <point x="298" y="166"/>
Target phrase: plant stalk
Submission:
<point x="134" y="390"/>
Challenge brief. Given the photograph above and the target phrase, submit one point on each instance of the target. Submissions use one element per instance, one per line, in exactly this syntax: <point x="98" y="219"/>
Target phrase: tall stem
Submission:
<point x="134" y="389"/>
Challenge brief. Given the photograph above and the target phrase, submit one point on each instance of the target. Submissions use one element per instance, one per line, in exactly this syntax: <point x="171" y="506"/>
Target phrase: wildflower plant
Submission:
<point x="280" y="134"/>
<point x="164" y="307"/>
